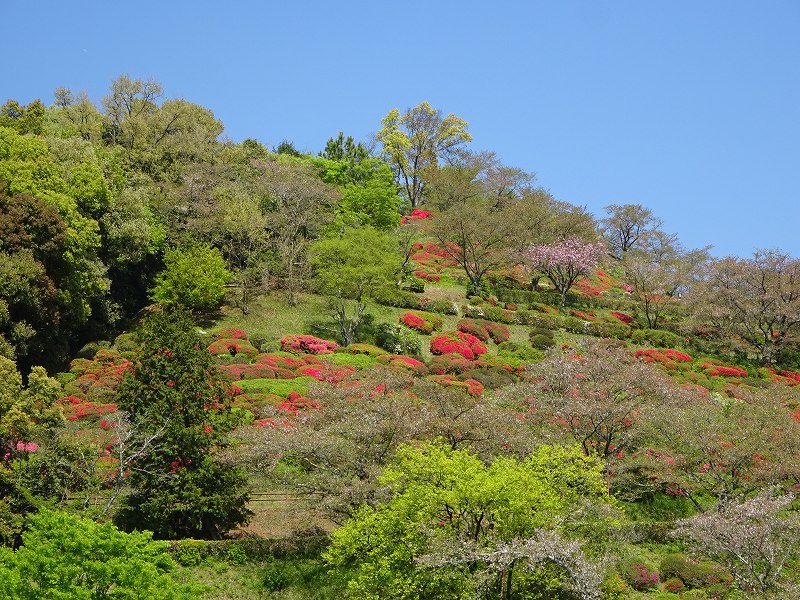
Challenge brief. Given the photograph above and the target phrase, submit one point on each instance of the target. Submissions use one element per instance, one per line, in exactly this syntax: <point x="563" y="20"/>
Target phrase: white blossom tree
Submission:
<point x="754" y="539"/>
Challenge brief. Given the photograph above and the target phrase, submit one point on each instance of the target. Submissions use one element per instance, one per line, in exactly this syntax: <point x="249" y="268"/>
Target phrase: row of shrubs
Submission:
<point x="391" y="296"/>
<point x="677" y="574"/>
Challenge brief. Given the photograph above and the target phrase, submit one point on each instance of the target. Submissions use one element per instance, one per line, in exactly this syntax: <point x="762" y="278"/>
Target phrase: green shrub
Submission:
<point x="124" y="342"/>
<point x="279" y="387"/>
<point x="575" y="325"/>
<point x="694" y="573"/>
<point x="361" y="348"/>
<point x="391" y="296"/>
<point x="190" y="553"/>
<point x="414" y="285"/>
<point x="609" y="330"/>
<point x="544" y="321"/>
<point x="656" y="337"/>
<point x="275" y="577"/>
<point x="491" y="377"/>
<point x="358" y="361"/>
<point x="89" y="350"/>
<point x="514" y="351"/>
<point x="500" y="315"/>
<point x="443" y="307"/>
<point x="398" y="339"/>
<point x="235" y="554"/>
<point x="65" y="377"/>
<point x="541" y="338"/>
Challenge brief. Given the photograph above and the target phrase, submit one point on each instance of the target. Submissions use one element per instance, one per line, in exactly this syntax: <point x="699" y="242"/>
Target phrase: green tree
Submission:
<point x="25" y="119"/>
<point x="448" y="503"/>
<point x="369" y="193"/>
<point x="415" y="142"/>
<point x="349" y="269"/>
<point x="66" y="556"/>
<point x="174" y="391"/>
<point x="193" y="277"/>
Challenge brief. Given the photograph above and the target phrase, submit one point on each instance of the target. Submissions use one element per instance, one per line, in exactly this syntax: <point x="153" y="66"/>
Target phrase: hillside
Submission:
<point x="398" y="373"/>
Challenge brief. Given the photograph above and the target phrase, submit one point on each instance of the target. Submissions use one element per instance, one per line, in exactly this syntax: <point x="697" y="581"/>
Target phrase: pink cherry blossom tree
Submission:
<point x="564" y="262"/>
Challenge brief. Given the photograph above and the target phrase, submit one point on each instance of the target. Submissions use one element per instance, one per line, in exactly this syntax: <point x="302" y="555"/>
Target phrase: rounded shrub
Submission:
<point x="397" y="339"/>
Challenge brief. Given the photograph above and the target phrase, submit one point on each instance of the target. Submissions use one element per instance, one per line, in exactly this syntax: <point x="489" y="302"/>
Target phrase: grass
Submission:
<point x="279" y="387"/>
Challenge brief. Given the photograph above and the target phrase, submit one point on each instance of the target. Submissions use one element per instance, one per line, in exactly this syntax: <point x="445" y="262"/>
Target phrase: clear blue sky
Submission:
<point x="688" y="107"/>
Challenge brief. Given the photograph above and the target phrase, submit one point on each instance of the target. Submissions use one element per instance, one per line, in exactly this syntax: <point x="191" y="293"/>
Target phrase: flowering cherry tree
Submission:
<point x="564" y="262"/>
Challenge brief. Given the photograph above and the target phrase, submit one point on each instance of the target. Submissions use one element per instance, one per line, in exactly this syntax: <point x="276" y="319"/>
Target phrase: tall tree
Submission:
<point x="298" y="206"/>
<point x="174" y="389"/>
<point x="415" y="142"/>
<point x="349" y="269"/>
<point x="626" y="227"/>
<point x="661" y="272"/>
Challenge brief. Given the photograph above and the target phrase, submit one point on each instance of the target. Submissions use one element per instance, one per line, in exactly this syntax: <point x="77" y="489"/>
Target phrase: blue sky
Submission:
<point x="687" y="107"/>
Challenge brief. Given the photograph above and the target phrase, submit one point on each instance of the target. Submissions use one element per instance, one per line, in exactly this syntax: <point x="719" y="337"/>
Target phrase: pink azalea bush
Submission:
<point x="307" y="344"/>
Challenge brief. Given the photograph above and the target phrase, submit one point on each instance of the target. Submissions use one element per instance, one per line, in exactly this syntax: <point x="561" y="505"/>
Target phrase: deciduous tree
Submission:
<point x="755" y="300"/>
<point x="416" y="141"/>
<point x="564" y="262"/>
<point x="349" y="269"/>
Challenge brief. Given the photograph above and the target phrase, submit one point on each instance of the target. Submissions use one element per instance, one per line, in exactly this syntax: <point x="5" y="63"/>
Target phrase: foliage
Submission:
<point x="66" y="556"/>
<point x="397" y="339"/>
<point x="193" y="278"/>
<point x="448" y="511"/>
<point x="457" y="342"/>
<point x="756" y="300"/>
<point x="425" y="323"/>
<point x="627" y="227"/>
<point x="415" y="142"/>
<point x="352" y="267"/>
<point x="174" y="393"/>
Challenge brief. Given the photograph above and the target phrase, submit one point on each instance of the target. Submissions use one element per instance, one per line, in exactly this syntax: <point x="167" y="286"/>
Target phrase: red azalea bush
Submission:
<point x="422" y="274"/>
<point x="423" y="322"/>
<point x="583" y="315"/>
<point x="452" y="364"/>
<point x="484" y="330"/>
<point x="405" y="362"/>
<point x="97" y="379"/>
<point x="472" y="386"/>
<point x="326" y="373"/>
<point x="666" y="357"/>
<point x="416" y="215"/>
<point x="474" y="327"/>
<point x="459" y="342"/>
<point x="307" y="344"/>
<point x="712" y="369"/>
<point x="498" y="332"/>
<point x="627" y="319"/>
